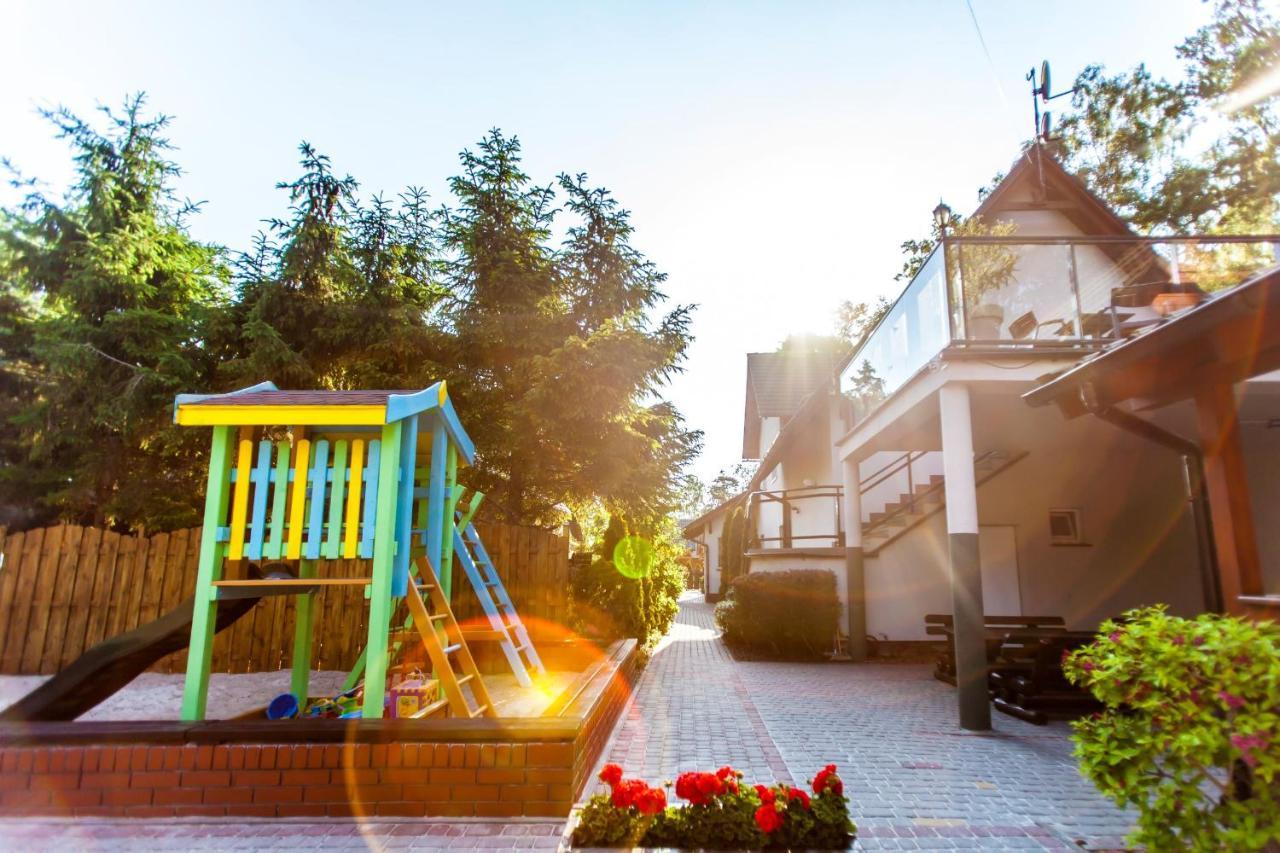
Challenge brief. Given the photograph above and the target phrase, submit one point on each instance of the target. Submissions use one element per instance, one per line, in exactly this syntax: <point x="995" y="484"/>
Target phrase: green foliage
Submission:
<point x="728" y="819"/>
<point x="610" y="602"/>
<point x="556" y="352"/>
<point x="1191" y="731"/>
<point x="731" y="554"/>
<point x="791" y="614"/>
<point x="108" y="302"/>
<point x="854" y="321"/>
<point x="1187" y="155"/>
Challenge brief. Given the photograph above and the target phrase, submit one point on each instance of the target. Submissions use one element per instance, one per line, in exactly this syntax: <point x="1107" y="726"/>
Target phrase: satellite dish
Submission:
<point x="1044" y="80"/>
<point x="1045" y="124"/>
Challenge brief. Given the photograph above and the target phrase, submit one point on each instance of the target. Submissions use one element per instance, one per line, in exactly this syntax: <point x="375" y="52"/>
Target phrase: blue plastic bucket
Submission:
<point x="283" y="707"/>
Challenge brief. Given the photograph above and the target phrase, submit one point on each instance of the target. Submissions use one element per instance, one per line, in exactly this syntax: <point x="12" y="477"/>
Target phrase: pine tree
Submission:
<point x="112" y="300"/>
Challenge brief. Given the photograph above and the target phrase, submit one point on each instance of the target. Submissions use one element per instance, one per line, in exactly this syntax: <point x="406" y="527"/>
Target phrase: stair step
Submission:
<point x="448" y="650"/>
<point x="479" y="711"/>
<point x="430" y="709"/>
<point x="464" y="679"/>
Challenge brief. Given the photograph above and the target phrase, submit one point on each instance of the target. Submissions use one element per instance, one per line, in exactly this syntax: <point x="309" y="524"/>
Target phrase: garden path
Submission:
<point x="916" y="781"/>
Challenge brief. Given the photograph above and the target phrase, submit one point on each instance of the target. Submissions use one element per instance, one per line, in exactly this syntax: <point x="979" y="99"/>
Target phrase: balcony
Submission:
<point x="802" y="518"/>
<point x="1054" y="296"/>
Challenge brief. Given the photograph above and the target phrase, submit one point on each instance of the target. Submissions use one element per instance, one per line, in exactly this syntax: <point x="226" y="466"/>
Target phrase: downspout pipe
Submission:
<point x="1197" y="493"/>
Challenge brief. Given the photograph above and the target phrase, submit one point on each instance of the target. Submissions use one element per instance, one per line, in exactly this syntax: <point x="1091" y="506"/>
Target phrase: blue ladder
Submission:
<point x="502" y="614"/>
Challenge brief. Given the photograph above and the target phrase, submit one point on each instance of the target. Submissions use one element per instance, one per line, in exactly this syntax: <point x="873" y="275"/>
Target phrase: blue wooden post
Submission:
<point x="436" y="496"/>
<point x="404" y="506"/>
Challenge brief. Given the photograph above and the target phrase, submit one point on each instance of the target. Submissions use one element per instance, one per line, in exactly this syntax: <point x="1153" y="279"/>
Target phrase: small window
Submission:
<point x="1064" y="527"/>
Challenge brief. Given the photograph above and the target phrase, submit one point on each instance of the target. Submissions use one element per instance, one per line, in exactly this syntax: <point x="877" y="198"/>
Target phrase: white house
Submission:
<point x="919" y="475"/>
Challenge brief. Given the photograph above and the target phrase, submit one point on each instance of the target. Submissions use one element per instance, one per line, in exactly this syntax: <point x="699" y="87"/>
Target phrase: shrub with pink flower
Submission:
<point x="1190" y="735"/>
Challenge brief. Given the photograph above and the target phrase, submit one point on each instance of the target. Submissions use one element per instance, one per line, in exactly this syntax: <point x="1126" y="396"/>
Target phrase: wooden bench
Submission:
<point x="996" y="629"/>
<point x="1041" y="691"/>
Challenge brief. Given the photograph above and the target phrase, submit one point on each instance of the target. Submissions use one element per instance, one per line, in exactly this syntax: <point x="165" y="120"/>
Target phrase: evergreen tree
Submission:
<point x="552" y="353"/>
<point x="106" y="300"/>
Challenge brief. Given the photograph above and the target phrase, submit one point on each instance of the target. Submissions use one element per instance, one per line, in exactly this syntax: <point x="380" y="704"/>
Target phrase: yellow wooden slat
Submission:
<point x="195" y="415"/>
<point x="298" y="499"/>
<point x="352" y="539"/>
<point x="240" y="501"/>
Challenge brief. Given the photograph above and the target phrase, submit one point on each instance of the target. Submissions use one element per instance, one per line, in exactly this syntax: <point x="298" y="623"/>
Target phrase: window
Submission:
<point x="1064" y="527"/>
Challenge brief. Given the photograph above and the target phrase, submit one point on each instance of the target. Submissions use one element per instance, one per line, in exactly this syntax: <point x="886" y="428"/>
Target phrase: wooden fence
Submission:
<point x="64" y="589"/>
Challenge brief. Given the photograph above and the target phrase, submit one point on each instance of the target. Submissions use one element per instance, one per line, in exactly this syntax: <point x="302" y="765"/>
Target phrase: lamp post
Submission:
<point x="942" y="218"/>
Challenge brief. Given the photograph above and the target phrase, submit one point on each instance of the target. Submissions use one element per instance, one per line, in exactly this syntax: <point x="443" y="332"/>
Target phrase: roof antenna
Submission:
<point x="1043" y="122"/>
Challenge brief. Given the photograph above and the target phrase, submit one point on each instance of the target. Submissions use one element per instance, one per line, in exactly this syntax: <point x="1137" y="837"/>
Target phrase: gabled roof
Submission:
<point x="777" y="384"/>
<point x="690" y="529"/>
<point x="1054" y="188"/>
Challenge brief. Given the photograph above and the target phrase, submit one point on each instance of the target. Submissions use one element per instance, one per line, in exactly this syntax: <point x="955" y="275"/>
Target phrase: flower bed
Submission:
<point x="723" y="812"/>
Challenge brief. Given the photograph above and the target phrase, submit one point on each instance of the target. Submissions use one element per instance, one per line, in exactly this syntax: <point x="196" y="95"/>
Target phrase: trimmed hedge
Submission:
<point x="790" y="615"/>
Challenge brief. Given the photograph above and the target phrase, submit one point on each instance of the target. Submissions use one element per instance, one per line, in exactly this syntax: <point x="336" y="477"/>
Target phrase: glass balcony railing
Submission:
<point x="1047" y="294"/>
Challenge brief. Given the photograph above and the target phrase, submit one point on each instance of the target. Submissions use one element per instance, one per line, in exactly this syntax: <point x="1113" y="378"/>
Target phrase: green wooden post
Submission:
<point x="384" y="545"/>
<point x="300" y="682"/>
<point x="204" y="612"/>
<point x="450" y="508"/>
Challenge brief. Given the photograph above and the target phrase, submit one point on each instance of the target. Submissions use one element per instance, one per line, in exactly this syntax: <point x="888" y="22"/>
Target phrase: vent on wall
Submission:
<point x="1064" y="527"/>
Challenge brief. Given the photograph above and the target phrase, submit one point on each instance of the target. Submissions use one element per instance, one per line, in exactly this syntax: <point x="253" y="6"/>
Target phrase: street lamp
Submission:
<point x="942" y="217"/>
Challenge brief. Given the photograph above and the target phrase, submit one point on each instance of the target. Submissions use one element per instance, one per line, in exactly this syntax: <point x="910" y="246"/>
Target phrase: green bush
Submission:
<point x="630" y="598"/>
<point x="1191" y="731"/>
<point x="791" y="614"/>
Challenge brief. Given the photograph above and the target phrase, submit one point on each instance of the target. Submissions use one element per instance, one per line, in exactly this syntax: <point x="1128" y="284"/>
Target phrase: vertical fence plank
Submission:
<point x="104" y="590"/>
<point x="64" y="589"/>
<point x="42" y="580"/>
<point x="23" y="595"/>
<point x="81" y="601"/>
<point x="64" y="579"/>
<point x="10" y="560"/>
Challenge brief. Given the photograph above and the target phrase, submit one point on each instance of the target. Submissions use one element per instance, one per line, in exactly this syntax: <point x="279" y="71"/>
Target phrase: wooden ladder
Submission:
<point x="433" y="622"/>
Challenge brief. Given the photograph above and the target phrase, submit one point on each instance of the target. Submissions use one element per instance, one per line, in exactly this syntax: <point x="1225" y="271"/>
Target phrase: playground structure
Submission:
<point x="299" y="476"/>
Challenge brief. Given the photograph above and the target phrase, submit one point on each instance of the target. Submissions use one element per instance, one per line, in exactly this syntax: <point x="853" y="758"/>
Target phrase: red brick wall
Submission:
<point x="540" y="775"/>
<point x="489" y="780"/>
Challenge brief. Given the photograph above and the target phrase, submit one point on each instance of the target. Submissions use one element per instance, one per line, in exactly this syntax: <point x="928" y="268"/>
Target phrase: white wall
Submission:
<point x="1141" y="541"/>
<point x="1262" y="461"/>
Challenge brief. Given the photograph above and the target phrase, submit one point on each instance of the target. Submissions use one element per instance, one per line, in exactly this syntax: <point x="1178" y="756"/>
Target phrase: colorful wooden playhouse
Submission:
<point x="300" y="476"/>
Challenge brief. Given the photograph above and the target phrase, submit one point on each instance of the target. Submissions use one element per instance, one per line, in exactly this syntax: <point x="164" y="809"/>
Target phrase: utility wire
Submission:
<point x="995" y="75"/>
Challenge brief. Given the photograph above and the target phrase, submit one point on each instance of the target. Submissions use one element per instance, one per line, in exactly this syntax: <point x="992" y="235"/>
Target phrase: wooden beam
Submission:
<point x="1239" y="568"/>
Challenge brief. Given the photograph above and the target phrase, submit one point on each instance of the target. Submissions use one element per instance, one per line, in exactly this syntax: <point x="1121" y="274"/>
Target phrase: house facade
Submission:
<point x="922" y="479"/>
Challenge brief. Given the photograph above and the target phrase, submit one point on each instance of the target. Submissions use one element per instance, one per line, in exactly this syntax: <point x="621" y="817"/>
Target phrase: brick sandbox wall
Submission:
<point x="308" y="768"/>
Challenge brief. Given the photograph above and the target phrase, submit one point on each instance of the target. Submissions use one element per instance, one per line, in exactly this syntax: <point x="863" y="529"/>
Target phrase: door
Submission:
<point x="998" y="553"/>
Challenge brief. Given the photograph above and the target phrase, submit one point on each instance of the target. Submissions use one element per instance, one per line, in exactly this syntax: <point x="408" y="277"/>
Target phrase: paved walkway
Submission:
<point x="915" y="780"/>
<point x="277" y="834"/>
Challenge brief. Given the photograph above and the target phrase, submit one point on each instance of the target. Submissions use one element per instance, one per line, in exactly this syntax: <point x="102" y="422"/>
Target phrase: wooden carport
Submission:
<point x="1200" y="356"/>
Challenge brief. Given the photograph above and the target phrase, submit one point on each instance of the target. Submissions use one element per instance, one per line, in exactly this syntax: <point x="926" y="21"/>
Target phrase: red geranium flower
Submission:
<point x="626" y="792"/>
<point x="827" y="780"/>
<point x="652" y="801"/>
<point x="796" y="794"/>
<point x="725" y="772"/>
<point x="766" y="794"/>
<point x="611" y="775"/>
<point x="768" y="818"/>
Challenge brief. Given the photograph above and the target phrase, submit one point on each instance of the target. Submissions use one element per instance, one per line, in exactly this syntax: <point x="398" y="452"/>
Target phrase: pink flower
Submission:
<point x="1246" y="744"/>
<point x="1115" y="636"/>
<point x="1232" y="701"/>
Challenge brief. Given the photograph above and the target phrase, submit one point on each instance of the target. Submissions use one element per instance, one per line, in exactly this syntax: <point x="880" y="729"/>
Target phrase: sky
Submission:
<point x="773" y="154"/>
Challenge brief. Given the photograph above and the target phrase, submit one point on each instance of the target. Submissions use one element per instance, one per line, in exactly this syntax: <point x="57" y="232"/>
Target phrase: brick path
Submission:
<point x="277" y="834"/>
<point x="915" y="780"/>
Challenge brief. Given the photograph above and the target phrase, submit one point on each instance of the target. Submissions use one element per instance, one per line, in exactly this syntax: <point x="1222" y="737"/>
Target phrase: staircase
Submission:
<point x="447" y="650"/>
<point x="896" y="518"/>
<point x="496" y="602"/>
